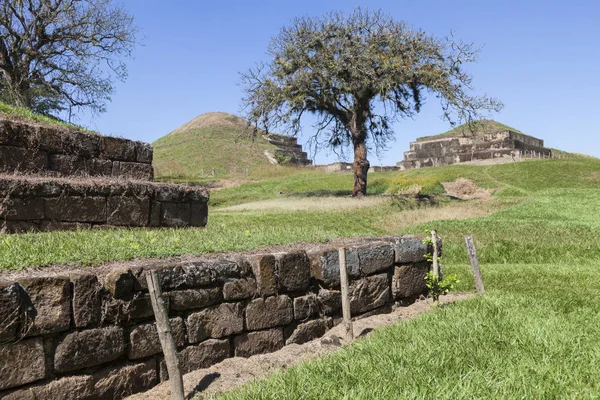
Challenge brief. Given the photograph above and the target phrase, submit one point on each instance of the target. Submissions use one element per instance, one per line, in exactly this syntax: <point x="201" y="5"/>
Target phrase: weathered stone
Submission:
<point x="325" y="266"/>
<point x="182" y="300"/>
<point x="259" y="342"/>
<point x="143" y="152"/>
<point x="49" y="226"/>
<point x="203" y="355"/>
<point x="22" y="209"/>
<point x="309" y="330"/>
<point x="10" y="311"/>
<point x="116" y="311"/>
<point x="141" y="307"/>
<point x="133" y="170"/>
<point x="119" y="283"/>
<point x="98" y="167"/>
<point x="410" y="249"/>
<point x="67" y="164"/>
<point x="239" y="289"/>
<point x="22" y="362"/>
<point x="305" y="306"/>
<point x="263" y="267"/>
<point x="215" y="322"/>
<point x="117" y="148"/>
<point x="155" y="214"/>
<point x="50" y="303"/>
<point x="119" y="383"/>
<point x="67" y="388"/>
<point x="270" y="312"/>
<point x="87" y="348"/>
<point x="330" y="301"/>
<point x="76" y="209"/>
<point x="409" y="280"/>
<point x="128" y="211"/>
<point x="176" y="214"/>
<point x="199" y="214"/>
<point x="16" y="159"/>
<point x="144" y="340"/>
<point x="369" y="293"/>
<point x="375" y="257"/>
<point x="87" y="300"/>
<point x="293" y="271"/>
<point x="18" y="226"/>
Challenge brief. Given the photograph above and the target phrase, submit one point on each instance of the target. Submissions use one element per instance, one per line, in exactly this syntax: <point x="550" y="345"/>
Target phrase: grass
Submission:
<point x="28" y="115"/>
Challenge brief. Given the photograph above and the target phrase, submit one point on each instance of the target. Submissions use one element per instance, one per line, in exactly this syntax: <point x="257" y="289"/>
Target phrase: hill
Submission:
<point x="474" y="129"/>
<point x="215" y="140"/>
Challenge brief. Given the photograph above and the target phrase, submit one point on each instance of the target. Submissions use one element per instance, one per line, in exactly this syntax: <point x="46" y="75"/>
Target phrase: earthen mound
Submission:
<point x="466" y="189"/>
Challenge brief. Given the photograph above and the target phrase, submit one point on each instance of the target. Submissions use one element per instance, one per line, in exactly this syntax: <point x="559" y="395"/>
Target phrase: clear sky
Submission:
<point x="540" y="58"/>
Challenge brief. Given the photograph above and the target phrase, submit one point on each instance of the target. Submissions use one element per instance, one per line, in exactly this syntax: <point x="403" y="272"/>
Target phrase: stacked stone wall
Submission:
<point x="93" y="336"/>
<point x="26" y="148"/>
<point x="47" y="204"/>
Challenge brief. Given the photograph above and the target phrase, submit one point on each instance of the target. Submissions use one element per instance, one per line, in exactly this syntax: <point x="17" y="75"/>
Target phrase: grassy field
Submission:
<point x="534" y="334"/>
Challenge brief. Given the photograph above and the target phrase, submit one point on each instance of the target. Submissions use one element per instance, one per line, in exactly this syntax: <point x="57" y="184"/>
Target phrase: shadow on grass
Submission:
<point x="325" y="193"/>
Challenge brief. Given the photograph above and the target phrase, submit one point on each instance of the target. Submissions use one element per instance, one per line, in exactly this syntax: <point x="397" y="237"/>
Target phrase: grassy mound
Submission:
<point x="475" y="129"/>
<point x="23" y="114"/>
<point x="209" y="141"/>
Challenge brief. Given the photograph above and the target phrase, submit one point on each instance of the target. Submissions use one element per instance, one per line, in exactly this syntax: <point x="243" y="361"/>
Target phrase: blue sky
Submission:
<point x="540" y="58"/>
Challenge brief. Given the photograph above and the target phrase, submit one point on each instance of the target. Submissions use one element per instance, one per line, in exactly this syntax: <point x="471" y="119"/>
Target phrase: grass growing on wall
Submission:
<point x="28" y="115"/>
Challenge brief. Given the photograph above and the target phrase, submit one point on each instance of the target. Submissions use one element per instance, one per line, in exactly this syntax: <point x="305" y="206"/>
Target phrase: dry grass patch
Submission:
<point x="308" y="204"/>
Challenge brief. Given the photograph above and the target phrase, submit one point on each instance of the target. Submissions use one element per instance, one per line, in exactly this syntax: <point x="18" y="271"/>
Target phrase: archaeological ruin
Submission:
<point x="437" y="151"/>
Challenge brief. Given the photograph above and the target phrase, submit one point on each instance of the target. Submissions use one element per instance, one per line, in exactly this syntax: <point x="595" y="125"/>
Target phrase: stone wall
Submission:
<point x="92" y="336"/>
<point x="452" y="150"/>
<point x="45" y="204"/>
<point x="26" y="148"/>
<point x="287" y="147"/>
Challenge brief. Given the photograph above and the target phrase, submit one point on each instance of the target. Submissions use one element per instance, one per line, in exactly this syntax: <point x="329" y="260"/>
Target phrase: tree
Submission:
<point x="62" y="54"/>
<point x="345" y="69"/>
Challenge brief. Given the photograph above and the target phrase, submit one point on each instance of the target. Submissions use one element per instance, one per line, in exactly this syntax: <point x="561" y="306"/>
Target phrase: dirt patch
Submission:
<point x="308" y="204"/>
<point x="466" y="189"/>
<point x="234" y="372"/>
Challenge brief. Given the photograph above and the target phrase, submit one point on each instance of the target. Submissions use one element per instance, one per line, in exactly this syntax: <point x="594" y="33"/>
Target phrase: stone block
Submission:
<point x="325" y="266"/>
<point x="182" y="300"/>
<point x="22" y="362"/>
<point x="116" y="311"/>
<point x="113" y="383"/>
<point x="67" y="388"/>
<point x="293" y="271"/>
<point x="76" y="209"/>
<point x="49" y="226"/>
<point x="10" y="311"/>
<point x="155" y="214"/>
<point x="18" y="226"/>
<point x="117" y="149"/>
<point x="409" y="249"/>
<point x="330" y="301"/>
<point x="133" y="170"/>
<point x="409" y="280"/>
<point x="270" y="312"/>
<point x="87" y="300"/>
<point x="22" y="209"/>
<point x="263" y="268"/>
<point x="215" y="322"/>
<point x="98" y="167"/>
<point x="308" y="331"/>
<point x="128" y="211"/>
<point x="88" y="348"/>
<point x="143" y="152"/>
<point x="259" y="342"/>
<point x="375" y="257"/>
<point x="202" y="355"/>
<point x="119" y="283"/>
<point x="67" y="164"/>
<point x="199" y="214"/>
<point x="144" y="340"/>
<point x="369" y="293"/>
<point x="239" y="289"/>
<point x="305" y="306"/>
<point x="176" y="214"/>
<point x="17" y="159"/>
<point x="49" y="307"/>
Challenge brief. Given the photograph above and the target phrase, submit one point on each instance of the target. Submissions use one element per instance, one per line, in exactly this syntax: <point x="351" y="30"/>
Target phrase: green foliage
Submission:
<point x="281" y="159"/>
<point x="28" y="115"/>
<point x="438" y="287"/>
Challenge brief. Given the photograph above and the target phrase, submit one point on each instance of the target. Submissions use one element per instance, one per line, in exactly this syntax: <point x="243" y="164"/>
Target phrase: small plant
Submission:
<point x="438" y="287"/>
<point x="281" y="159"/>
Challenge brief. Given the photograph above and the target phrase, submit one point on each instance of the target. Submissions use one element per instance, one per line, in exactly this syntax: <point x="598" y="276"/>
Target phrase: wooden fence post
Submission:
<point x="436" y="266"/>
<point x="474" y="264"/>
<point x="165" y="335"/>
<point x="345" y="295"/>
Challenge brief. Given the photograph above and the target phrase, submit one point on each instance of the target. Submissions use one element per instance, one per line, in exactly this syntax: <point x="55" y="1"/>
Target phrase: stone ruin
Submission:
<point x="53" y="178"/>
<point x="452" y="150"/>
<point x="287" y="146"/>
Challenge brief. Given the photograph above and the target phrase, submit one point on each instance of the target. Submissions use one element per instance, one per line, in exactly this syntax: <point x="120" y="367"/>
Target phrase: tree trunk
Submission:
<point x="361" y="167"/>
